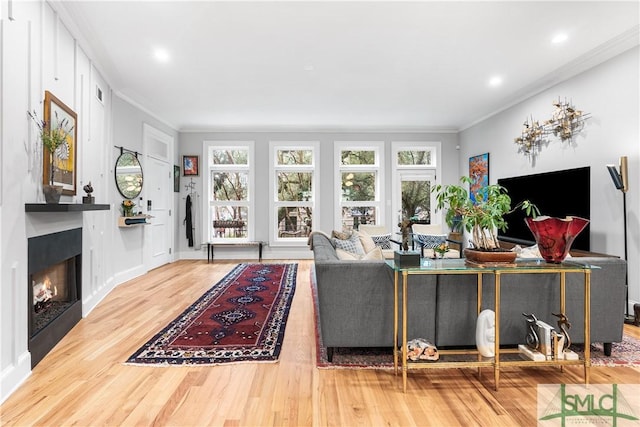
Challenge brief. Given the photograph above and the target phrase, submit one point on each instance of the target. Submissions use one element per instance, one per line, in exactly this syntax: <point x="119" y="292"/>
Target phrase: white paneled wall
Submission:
<point x="39" y="53"/>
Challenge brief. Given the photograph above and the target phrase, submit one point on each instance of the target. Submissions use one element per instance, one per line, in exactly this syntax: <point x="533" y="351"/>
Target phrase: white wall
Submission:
<point x="128" y="252"/>
<point x="610" y="92"/>
<point x="192" y="143"/>
<point x="39" y="52"/>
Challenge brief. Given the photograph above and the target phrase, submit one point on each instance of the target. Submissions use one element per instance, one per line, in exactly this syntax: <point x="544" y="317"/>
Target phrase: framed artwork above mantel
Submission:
<point x="65" y="157"/>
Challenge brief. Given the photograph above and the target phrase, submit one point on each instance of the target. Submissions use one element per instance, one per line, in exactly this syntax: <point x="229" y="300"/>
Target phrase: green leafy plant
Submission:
<point x="52" y="138"/>
<point x="482" y="218"/>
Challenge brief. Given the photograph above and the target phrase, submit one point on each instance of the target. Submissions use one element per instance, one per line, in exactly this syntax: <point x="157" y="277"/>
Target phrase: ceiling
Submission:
<point x="333" y="65"/>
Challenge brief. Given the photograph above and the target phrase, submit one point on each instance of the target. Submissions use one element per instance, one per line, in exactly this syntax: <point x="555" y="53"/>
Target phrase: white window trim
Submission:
<point x="378" y="147"/>
<point x="249" y="203"/>
<point x="314" y="168"/>
<point x="417" y="171"/>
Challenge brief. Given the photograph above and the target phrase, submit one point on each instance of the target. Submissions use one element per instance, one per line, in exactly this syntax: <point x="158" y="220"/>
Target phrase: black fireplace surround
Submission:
<point x="46" y="329"/>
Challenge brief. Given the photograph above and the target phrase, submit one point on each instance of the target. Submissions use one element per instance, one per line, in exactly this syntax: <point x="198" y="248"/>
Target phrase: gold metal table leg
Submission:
<point x="496" y="360"/>
<point x="404" y="331"/>
<point x="587" y="324"/>
<point x="395" y="322"/>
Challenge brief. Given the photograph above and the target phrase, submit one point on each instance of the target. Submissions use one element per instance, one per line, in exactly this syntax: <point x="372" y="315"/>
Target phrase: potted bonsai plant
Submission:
<point x="52" y="138"/>
<point x="483" y="218"/>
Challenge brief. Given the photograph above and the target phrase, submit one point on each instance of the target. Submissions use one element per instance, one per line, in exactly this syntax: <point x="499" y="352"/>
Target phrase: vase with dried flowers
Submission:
<point x="53" y="139"/>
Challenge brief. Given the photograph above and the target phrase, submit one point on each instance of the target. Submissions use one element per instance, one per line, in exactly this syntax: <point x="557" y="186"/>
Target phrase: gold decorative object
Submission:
<point x="566" y="120"/>
<point x="532" y="137"/>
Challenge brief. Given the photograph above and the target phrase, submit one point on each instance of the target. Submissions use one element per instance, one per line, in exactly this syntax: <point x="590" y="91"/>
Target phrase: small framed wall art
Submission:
<point x="190" y="165"/>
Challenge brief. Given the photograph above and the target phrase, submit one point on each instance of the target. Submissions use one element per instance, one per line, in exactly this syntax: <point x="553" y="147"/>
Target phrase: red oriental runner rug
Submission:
<point x="241" y="318"/>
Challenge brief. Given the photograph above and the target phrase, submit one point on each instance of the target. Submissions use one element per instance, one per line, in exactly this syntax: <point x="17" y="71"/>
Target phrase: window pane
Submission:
<point x="414" y="157"/>
<point x="352" y="216"/>
<point x="230" y="157"/>
<point x="295" y="157"/>
<point x="230" y="185"/>
<point x="229" y="221"/>
<point x="358" y="157"/>
<point x="358" y="186"/>
<point x="416" y="200"/>
<point x="294" y="186"/>
<point x="294" y="221"/>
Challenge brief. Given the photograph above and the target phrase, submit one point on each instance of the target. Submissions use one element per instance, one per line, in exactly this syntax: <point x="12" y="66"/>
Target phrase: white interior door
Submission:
<point x="158" y="188"/>
<point x="413" y="192"/>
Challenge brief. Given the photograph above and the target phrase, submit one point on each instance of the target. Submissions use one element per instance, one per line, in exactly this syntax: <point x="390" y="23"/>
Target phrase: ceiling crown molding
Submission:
<point x="606" y="51"/>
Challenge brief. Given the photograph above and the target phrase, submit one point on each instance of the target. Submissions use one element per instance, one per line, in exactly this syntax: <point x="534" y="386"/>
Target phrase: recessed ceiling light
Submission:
<point x="495" y="81"/>
<point x="308" y="68"/>
<point x="559" y="38"/>
<point x="161" y="55"/>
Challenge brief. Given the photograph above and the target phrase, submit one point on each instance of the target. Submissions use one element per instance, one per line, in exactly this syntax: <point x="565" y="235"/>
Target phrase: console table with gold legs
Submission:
<point x="471" y="358"/>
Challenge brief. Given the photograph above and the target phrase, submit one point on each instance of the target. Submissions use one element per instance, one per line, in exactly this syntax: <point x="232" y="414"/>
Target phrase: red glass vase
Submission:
<point x="555" y="236"/>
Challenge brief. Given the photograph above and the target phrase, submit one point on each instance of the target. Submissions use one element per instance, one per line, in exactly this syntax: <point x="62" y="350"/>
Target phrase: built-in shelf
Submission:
<point x="65" y="207"/>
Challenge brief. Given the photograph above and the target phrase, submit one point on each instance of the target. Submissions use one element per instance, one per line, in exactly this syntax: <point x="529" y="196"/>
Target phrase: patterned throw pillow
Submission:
<point x="342" y="235"/>
<point x="382" y="240"/>
<point x="352" y="244"/>
<point x="429" y="241"/>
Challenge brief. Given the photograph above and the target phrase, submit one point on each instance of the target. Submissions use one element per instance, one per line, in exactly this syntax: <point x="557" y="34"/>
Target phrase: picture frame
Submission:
<point x="65" y="159"/>
<point x="190" y="165"/>
<point x="479" y="174"/>
<point x="176" y="178"/>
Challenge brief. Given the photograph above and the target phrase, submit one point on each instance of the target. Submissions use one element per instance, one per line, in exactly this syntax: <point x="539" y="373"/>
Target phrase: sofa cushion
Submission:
<point x="352" y="244"/>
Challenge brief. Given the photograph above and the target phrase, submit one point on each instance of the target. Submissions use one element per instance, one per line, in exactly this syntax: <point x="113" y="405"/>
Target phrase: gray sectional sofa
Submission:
<point x="355" y="302"/>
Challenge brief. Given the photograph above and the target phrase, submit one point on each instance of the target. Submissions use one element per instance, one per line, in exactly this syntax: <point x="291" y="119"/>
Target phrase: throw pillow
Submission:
<point x="344" y="255"/>
<point x="352" y="244"/>
<point x="429" y="241"/>
<point x="342" y="235"/>
<point x="375" y="254"/>
<point x="382" y="240"/>
<point x="367" y="242"/>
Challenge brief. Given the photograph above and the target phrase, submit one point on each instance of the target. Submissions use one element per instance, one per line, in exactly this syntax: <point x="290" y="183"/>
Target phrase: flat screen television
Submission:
<point x="559" y="193"/>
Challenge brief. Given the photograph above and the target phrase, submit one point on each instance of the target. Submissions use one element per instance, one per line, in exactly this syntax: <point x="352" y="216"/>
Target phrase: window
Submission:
<point x="359" y="184"/>
<point x="414" y="170"/>
<point x="230" y="187"/>
<point x="293" y="184"/>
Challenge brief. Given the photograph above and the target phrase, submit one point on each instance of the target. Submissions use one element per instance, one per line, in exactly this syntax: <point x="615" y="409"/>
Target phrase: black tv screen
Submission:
<point x="560" y="193"/>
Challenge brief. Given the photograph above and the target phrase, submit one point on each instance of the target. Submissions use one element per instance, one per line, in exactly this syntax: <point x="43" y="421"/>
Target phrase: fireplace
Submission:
<point x="55" y="284"/>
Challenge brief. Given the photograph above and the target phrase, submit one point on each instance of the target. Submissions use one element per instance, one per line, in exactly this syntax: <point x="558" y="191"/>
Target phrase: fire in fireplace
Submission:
<point x="54" y="291"/>
<point x="55" y="276"/>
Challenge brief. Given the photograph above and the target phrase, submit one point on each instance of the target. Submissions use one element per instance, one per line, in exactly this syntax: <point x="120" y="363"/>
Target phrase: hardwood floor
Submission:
<point x="84" y="382"/>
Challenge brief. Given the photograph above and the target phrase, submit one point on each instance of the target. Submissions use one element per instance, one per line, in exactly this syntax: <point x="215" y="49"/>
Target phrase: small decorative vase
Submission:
<point x="52" y="193"/>
<point x="555" y="236"/>
<point x="127" y="211"/>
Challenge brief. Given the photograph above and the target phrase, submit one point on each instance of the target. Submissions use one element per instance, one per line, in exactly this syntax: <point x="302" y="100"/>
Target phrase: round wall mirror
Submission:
<point x="128" y="175"/>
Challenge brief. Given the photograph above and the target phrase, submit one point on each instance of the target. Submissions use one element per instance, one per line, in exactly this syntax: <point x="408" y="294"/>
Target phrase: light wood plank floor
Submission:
<point x="83" y="380"/>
